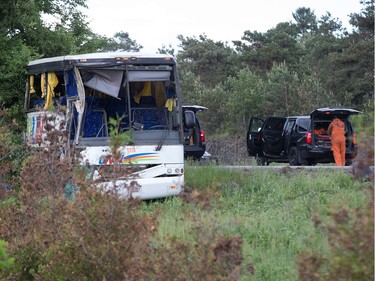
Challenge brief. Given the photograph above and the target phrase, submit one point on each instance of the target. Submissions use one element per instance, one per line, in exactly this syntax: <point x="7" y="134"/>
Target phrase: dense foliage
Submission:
<point x="289" y="70"/>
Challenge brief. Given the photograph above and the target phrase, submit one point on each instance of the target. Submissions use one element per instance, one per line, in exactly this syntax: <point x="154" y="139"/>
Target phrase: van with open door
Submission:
<point x="194" y="137"/>
<point x="299" y="140"/>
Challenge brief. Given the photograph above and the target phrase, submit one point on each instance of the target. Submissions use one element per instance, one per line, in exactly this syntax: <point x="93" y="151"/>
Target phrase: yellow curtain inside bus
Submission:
<point x="32" y="90"/>
<point x="52" y="82"/>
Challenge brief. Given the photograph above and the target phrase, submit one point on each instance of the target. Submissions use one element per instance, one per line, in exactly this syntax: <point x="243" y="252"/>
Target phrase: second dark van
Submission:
<point x="194" y="138"/>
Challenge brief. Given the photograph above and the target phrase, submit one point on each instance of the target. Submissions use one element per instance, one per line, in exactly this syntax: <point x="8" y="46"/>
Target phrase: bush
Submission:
<point x="101" y="237"/>
<point x="12" y="152"/>
<point x="350" y="238"/>
<point x="5" y="261"/>
<point x="351" y="241"/>
<point x="98" y="236"/>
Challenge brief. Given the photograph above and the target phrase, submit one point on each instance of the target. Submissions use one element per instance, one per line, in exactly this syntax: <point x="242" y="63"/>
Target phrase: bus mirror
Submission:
<point x="189" y="118"/>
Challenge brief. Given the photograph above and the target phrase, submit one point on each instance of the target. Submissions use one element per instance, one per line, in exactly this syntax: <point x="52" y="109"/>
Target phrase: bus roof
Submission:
<point x="97" y="59"/>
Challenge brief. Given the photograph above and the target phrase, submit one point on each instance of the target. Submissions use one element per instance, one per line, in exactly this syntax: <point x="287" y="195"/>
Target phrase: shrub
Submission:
<point x="98" y="235"/>
<point x="351" y="242"/>
<point x="5" y="261"/>
<point x="12" y="152"/>
<point x="101" y="237"/>
<point x="351" y="237"/>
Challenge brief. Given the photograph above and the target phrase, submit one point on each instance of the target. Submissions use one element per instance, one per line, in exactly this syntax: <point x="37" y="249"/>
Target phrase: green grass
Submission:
<point x="270" y="210"/>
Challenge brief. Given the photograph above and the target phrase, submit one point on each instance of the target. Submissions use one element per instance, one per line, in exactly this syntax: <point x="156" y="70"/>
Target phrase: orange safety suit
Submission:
<point x="337" y="132"/>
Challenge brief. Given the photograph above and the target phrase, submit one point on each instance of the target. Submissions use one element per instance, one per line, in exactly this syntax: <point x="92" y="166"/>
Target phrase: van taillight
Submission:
<point x="354" y="138"/>
<point x="202" y="136"/>
<point x="308" y="138"/>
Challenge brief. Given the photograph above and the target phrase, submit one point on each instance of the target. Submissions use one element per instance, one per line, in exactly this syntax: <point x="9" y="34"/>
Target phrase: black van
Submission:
<point x="195" y="139"/>
<point x="299" y="140"/>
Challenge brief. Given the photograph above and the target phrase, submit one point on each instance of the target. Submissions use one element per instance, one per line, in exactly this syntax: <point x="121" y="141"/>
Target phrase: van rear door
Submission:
<point x="327" y="114"/>
<point x="342" y="113"/>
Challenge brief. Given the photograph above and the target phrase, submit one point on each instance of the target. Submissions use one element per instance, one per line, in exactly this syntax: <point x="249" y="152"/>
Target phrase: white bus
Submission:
<point x="87" y="90"/>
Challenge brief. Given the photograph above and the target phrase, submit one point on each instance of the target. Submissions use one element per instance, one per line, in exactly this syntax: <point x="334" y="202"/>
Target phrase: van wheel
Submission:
<point x="294" y="157"/>
<point x="261" y="160"/>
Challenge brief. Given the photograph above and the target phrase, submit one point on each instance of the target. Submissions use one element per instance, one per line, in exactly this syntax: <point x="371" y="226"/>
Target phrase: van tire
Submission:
<point x="294" y="157"/>
<point x="261" y="160"/>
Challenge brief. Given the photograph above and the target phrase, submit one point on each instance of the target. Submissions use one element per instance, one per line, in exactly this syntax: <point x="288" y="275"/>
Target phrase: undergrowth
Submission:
<point x="96" y="235"/>
<point x="228" y="225"/>
<point x="274" y="213"/>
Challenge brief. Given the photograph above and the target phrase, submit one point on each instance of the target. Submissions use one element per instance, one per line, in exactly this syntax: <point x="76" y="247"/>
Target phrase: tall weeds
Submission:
<point x="98" y="235"/>
<point x="351" y="245"/>
<point x="12" y="152"/>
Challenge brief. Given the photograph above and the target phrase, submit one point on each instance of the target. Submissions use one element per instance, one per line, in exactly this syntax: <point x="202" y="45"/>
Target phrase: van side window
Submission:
<point x="289" y="126"/>
<point x="256" y="125"/>
<point x="275" y="124"/>
<point x="302" y="125"/>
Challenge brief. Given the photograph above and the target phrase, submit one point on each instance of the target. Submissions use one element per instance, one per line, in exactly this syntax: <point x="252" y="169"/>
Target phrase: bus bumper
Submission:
<point x="146" y="188"/>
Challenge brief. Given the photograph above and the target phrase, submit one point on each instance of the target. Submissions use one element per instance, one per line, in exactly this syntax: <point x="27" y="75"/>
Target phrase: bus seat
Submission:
<point x="149" y="117"/>
<point x="39" y="103"/>
<point x="95" y="124"/>
<point x="62" y="101"/>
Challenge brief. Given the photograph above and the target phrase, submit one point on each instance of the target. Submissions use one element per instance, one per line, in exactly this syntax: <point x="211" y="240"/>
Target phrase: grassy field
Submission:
<point x="228" y="225"/>
<point x="271" y="211"/>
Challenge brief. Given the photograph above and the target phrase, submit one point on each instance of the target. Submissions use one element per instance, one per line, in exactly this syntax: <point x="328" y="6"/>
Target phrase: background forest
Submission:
<point x="291" y="69"/>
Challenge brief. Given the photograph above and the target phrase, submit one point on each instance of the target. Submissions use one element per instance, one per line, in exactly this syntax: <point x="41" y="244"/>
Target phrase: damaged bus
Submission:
<point x="87" y="90"/>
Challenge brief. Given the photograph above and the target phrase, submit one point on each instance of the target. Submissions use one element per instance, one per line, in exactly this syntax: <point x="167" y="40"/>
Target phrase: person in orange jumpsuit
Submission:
<point x="336" y="130"/>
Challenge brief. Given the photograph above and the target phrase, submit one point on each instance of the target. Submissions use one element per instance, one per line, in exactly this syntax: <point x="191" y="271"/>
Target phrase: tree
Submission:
<point x="261" y="50"/>
<point x="33" y="29"/>
<point x="37" y="22"/>
<point x="281" y="92"/>
<point x="306" y="21"/>
<point x="166" y="50"/>
<point x="329" y="26"/>
<point x="210" y="61"/>
<point x="216" y="118"/>
<point x="318" y="46"/>
<point x="354" y="64"/>
<point x="121" y="41"/>
<point x="216" y="99"/>
<point x="245" y="97"/>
